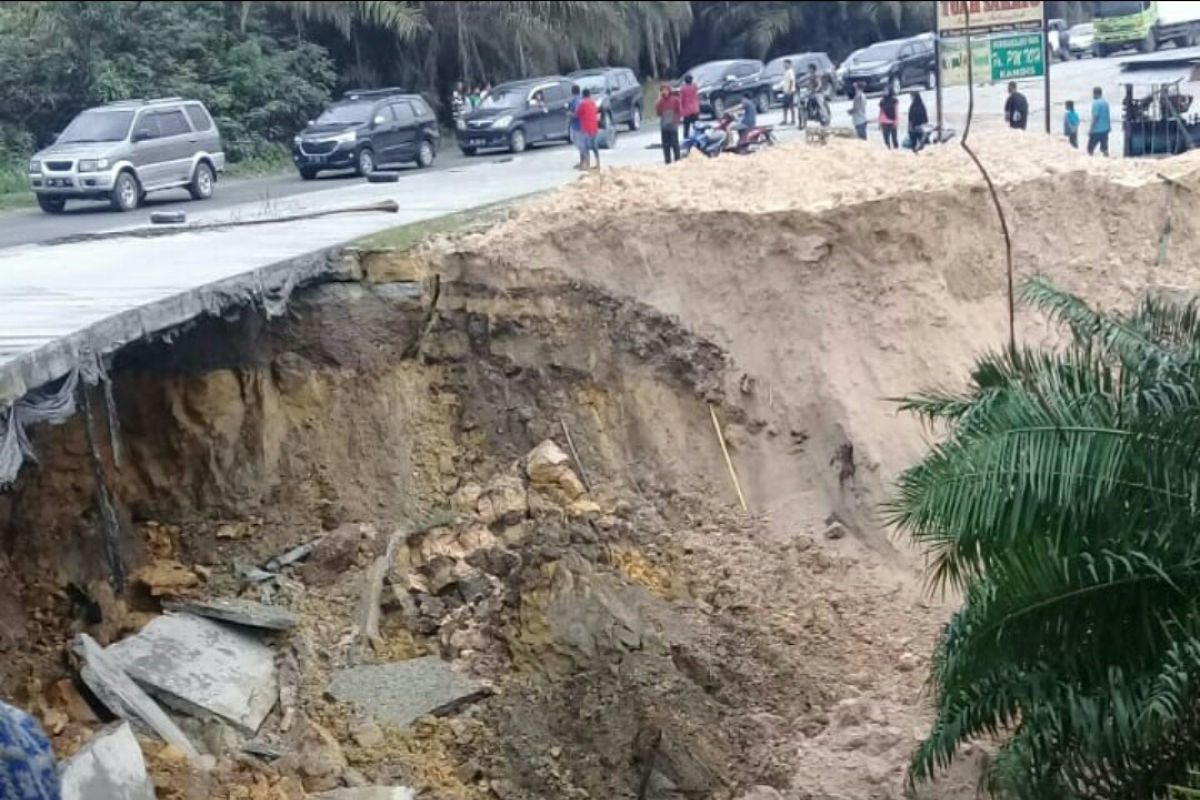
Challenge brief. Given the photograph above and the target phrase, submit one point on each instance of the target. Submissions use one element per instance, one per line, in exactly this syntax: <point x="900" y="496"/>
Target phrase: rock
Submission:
<point x="439" y="573"/>
<point x="403" y="691"/>
<point x="495" y="561"/>
<point x="238" y="612"/>
<point x="109" y="767"/>
<point x="316" y="758"/>
<point x="548" y="466"/>
<point x="466" y="498"/>
<point x="469" y="772"/>
<point x="584" y="507"/>
<point x="474" y="587"/>
<point x="366" y="732"/>
<point x="836" y="530"/>
<point x="125" y="698"/>
<point x="64" y="695"/>
<point x="908" y="662"/>
<point x="504" y="501"/>
<point x="165" y="577"/>
<point x="202" y="667"/>
<point x="370" y="793"/>
<point x="761" y="793"/>
<point x="333" y="554"/>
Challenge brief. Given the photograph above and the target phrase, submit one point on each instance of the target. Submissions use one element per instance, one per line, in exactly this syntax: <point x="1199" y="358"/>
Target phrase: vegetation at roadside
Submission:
<point x="405" y="237"/>
<point x="1063" y="505"/>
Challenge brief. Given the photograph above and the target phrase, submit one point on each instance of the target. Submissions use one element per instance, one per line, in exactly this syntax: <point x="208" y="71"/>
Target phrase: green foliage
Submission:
<point x="1063" y="505"/>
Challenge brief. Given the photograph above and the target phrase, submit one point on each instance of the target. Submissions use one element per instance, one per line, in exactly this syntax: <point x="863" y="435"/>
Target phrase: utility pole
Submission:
<point x="1046" y="59"/>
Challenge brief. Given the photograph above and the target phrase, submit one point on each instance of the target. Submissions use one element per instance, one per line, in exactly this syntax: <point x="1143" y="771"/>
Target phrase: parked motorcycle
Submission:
<point x="708" y="139"/>
<point x="928" y="134"/>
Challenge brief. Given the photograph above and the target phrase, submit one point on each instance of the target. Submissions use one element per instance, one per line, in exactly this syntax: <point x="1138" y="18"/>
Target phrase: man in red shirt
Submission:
<point x="589" y="130"/>
<point x="689" y="99"/>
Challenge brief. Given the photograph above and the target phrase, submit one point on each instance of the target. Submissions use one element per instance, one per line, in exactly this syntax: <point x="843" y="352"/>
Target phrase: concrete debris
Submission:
<point x="203" y="668"/>
<point x="549" y="467"/>
<point x="836" y="530"/>
<point x="370" y="793"/>
<point x="401" y="692"/>
<point x="503" y="501"/>
<point x="292" y="556"/>
<point x="366" y="733"/>
<point x="125" y="698"/>
<point x="109" y="767"/>
<point x="237" y="612"/>
<point x="166" y="577"/>
<point x="334" y="554"/>
<point x="316" y="757"/>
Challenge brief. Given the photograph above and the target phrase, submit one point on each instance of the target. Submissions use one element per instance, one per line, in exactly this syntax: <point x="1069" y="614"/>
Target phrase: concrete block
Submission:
<point x="237" y="612"/>
<point x="109" y="767"/>
<point x="400" y="692"/>
<point x="202" y="668"/>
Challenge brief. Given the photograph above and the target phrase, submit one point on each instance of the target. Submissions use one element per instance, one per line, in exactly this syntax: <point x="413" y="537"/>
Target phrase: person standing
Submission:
<point x="670" y="112"/>
<point x="589" y="130"/>
<point x="918" y="117"/>
<point x="889" y="118"/>
<point x="1101" y="123"/>
<point x="858" y="111"/>
<point x="458" y="101"/>
<point x="1071" y="124"/>
<point x="576" y="137"/>
<point x="787" y="87"/>
<point x="689" y="98"/>
<point x="1016" y="108"/>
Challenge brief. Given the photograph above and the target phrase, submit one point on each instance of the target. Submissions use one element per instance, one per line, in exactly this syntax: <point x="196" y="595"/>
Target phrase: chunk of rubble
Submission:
<point x="202" y="668"/>
<point x="109" y="767"/>
<point x="549" y="467"/>
<point x="370" y="793"/>
<point x="237" y="611"/>
<point x="401" y="692"/>
<point x="503" y="501"/>
<point x="125" y="698"/>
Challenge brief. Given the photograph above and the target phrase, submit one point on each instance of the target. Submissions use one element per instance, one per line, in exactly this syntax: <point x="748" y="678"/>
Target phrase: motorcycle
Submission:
<point x="815" y="107"/>
<point x="708" y="139"/>
<point x="928" y="134"/>
<point x="754" y="139"/>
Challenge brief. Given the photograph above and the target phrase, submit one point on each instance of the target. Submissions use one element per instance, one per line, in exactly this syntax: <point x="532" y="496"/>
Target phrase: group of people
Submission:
<point x="676" y="108"/>
<point x="463" y="99"/>
<point x="1016" y="114"/>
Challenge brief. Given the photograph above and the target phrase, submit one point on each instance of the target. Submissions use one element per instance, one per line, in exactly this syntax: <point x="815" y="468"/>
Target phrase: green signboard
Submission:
<point x="1022" y="56"/>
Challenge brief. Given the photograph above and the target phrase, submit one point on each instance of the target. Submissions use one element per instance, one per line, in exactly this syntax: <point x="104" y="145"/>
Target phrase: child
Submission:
<point x="1071" y="124"/>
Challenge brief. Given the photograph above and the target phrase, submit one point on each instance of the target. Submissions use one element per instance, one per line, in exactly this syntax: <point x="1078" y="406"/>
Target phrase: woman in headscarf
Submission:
<point x="27" y="768"/>
<point x="889" y="118"/>
<point x="917" y="117"/>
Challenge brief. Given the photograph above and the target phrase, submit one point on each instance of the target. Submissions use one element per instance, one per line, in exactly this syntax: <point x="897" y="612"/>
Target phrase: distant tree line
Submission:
<point x="264" y="68"/>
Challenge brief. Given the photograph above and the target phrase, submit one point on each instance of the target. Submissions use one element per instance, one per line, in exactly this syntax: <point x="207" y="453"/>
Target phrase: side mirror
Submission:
<point x="142" y="134"/>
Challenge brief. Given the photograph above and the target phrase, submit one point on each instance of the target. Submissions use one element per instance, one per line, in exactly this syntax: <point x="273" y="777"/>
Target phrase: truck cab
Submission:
<point x="1145" y="24"/>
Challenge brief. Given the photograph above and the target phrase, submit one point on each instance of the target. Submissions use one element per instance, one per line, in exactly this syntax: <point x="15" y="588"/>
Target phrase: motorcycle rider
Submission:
<point x="816" y="104"/>
<point x="749" y="118"/>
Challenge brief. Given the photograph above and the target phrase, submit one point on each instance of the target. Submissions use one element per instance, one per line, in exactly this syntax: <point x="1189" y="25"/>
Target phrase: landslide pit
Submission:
<point x="642" y="637"/>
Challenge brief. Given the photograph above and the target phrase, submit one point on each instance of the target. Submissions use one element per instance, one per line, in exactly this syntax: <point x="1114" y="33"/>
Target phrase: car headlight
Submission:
<point x="35" y="165"/>
<point x="296" y="141"/>
<point x="93" y="164"/>
<point x="346" y="137"/>
<point x="502" y="122"/>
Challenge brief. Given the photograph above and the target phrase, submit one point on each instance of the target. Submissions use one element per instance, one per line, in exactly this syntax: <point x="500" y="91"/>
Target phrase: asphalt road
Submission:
<point x="1069" y="80"/>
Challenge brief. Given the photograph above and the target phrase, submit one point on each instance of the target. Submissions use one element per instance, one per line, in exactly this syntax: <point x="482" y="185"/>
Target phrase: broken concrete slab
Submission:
<point x="370" y="793"/>
<point x="125" y="698"/>
<point x="109" y="767"/>
<point x="237" y="611"/>
<point x="401" y="692"/>
<point x="202" y="668"/>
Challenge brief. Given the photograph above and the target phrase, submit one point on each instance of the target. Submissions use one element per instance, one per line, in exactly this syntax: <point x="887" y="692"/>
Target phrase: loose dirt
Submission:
<point x="640" y="636"/>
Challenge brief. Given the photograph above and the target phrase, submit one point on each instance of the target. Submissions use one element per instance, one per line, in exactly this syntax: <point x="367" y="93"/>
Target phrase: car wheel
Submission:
<point x="51" y="205"/>
<point x="718" y="106"/>
<point x="895" y="85"/>
<point x="516" y="141"/>
<point x="425" y="154"/>
<point x="201" y="187"/>
<point x="308" y="173"/>
<point x="609" y="132"/>
<point x="763" y="102"/>
<point x="126" y="194"/>
<point x="1099" y="51"/>
<point x="365" y="164"/>
<point x="467" y="151"/>
<point x="635" y="118"/>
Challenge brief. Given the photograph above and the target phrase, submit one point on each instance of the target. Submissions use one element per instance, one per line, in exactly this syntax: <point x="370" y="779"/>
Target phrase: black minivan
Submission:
<point x="518" y="114"/>
<point x="367" y="130"/>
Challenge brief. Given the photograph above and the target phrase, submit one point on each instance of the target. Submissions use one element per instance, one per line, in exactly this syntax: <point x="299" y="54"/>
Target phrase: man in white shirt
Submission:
<point x="788" y="88"/>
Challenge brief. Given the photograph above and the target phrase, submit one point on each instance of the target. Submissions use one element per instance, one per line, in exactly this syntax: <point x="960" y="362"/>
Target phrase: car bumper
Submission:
<point x="872" y="82"/>
<point x="483" y="138"/>
<point x="341" y="157"/>
<point x="66" y="185"/>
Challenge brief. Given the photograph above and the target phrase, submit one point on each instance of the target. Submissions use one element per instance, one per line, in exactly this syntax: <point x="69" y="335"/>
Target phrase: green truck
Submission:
<point x="1146" y="25"/>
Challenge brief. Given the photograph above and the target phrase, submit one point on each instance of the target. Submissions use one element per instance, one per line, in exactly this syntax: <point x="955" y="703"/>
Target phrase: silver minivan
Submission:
<point x="122" y="151"/>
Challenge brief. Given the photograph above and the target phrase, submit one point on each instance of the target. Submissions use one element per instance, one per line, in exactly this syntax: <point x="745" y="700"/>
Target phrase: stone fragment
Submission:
<point x="316" y="757"/>
<point x="548" y="466"/>
<point x="370" y="793"/>
<point x="203" y="668"/>
<point x="165" y="577"/>
<point x="836" y="530"/>
<point x="504" y="501"/>
<point x="366" y="733"/>
<point x="109" y="767"/>
<point x="237" y="612"/>
<point x="401" y="692"/>
<point x="333" y="554"/>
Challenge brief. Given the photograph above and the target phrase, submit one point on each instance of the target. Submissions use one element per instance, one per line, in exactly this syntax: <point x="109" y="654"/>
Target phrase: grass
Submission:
<point x="405" y="237"/>
<point x="270" y="160"/>
<point x="14" y="190"/>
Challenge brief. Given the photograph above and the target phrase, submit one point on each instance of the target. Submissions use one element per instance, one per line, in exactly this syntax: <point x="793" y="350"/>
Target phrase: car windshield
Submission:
<point x="711" y="73"/>
<point x="594" y="82"/>
<point x="98" y="126"/>
<point x="775" y="67"/>
<point x="346" y="114"/>
<point x="1119" y="9"/>
<point x="884" y="51"/>
<point x="504" y="97"/>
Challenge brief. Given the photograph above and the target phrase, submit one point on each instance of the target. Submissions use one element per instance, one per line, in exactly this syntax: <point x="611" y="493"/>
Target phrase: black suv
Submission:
<point x="517" y="114"/>
<point x="366" y="130"/>
<point x="616" y="91"/>
<point x="722" y="84"/>
<point x="773" y="73"/>
<point x="896" y="64"/>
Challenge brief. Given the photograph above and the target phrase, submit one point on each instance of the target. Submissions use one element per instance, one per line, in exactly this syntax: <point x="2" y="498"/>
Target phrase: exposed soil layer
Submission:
<point x="642" y="637"/>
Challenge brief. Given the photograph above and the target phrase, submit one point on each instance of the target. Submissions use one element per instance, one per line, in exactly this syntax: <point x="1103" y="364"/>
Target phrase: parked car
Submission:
<point x="1058" y="39"/>
<point x="618" y="94"/>
<point x="723" y="83"/>
<point x="366" y="130"/>
<point x="122" y="151"/>
<point x="897" y="63"/>
<point x="518" y="114"/>
<point x="1080" y="40"/>
<point x="773" y="72"/>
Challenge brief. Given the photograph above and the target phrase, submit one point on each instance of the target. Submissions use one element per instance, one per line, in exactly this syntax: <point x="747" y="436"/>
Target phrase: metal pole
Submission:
<point x="937" y="54"/>
<point x="1046" y="58"/>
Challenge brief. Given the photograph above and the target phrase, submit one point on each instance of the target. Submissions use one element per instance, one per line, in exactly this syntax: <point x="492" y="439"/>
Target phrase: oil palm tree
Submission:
<point x="1064" y="506"/>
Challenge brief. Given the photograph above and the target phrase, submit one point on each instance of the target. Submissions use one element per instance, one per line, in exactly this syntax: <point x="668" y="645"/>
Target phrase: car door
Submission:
<point x="404" y="137"/>
<point x="178" y="145"/>
<point x="630" y="90"/>
<point x="905" y="67"/>
<point x="148" y="151"/>
<point x="536" y="122"/>
<point x="557" y="117"/>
